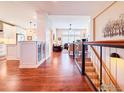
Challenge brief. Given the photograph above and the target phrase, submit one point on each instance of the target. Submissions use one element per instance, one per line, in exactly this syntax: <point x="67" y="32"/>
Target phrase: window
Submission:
<point x="70" y="36"/>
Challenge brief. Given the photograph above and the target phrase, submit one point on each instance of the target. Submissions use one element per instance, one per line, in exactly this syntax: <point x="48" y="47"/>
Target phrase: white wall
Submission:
<point x="41" y="24"/>
<point x="43" y="34"/>
<point x="48" y="37"/>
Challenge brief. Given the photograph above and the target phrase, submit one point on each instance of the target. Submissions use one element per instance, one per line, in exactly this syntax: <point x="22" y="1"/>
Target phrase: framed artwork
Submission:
<point x="29" y="37"/>
<point x="114" y="27"/>
<point x="20" y="37"/>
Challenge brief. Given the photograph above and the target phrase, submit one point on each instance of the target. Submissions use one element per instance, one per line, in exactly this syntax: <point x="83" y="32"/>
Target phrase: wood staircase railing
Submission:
<point x="101" y="44"/>
<point x="102" y="65"/>
<point x="107" y="70"/>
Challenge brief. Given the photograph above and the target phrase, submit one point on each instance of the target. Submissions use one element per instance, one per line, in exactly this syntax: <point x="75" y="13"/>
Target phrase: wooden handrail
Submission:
<point x="107" y="70"/>
<point x="108" y="41"/>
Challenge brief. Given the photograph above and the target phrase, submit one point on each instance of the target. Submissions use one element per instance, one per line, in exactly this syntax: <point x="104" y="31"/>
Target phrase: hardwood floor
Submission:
<point x="59" y="73"/>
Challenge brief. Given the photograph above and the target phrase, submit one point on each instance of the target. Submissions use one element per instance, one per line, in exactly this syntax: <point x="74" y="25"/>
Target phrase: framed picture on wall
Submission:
<point x="29" y="37"/>
<point x="20" y="37"/>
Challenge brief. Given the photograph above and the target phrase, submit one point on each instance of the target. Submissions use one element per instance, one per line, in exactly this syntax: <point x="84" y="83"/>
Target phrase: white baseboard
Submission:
<point x="42" y="61"/>
<point x="47" y="57"/>
<point x="8" y="58"/>
<point x="27" y="66"/>
<point x="33" y="65"/>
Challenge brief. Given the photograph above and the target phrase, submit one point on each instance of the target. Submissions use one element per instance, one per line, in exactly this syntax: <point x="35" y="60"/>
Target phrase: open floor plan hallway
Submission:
<point x="58" y="73"/>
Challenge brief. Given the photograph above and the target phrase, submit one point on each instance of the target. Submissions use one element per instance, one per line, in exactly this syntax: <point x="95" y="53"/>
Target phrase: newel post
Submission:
<point x="100" y="67"/>
<point x="73" y="50"/>
<point x="83" y="56"/>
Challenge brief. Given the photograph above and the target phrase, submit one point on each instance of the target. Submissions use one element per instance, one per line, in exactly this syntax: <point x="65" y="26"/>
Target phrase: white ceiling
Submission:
<point x="86" y="8"/>
<point x="63" y="13"/>
<point x="20" y="12"/>
<point x="64" y="21"/>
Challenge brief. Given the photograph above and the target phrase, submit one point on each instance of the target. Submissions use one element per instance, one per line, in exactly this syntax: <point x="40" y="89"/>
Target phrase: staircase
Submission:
<point x="91" y="72"/>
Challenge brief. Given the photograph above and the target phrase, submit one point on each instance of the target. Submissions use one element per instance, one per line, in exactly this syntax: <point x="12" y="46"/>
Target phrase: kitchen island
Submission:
<point x="31" y="54"/>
